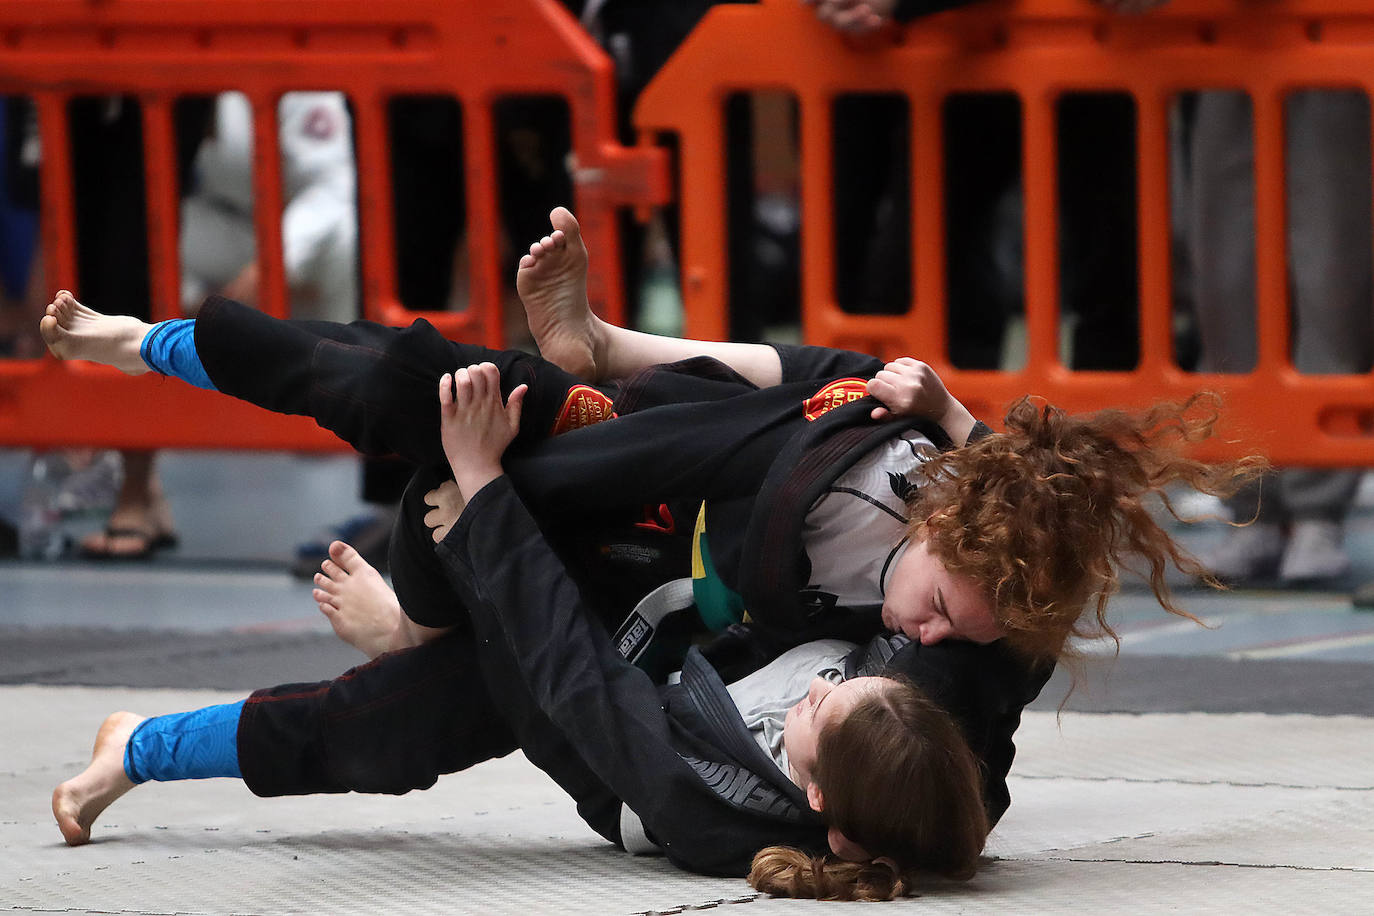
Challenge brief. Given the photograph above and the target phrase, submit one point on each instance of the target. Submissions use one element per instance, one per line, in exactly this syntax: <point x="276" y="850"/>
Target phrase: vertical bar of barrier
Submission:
<point x="928" y="320"/>
<point x="1039" y="169"/>
<point x="376" y="227"/>
<point x="704" y="262"/>
<point x="267" y="206"/>
<point x="58" y="218"/>
<point x="160" y="181"/>
<point x="484" y="221"/>
<point x="596" y="214"/>
<point x="1271" y="233"/>
<point x="1154" y="216"/>
<point x="820" y="310"/>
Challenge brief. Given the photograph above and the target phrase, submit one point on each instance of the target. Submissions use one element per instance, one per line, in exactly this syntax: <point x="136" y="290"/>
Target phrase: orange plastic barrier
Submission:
<point x="161" y="50"/>
<point x="1037" y="49"/>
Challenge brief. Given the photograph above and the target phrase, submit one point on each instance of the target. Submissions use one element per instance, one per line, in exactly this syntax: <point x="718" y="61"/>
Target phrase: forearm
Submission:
<point x="473" y="476"/>
<point x="629" y="351"/>
<point x="957" y="423"/>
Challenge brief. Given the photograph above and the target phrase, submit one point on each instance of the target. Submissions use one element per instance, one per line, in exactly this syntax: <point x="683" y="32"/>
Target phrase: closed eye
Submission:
<point x="815" y="710"/>
<point x="940" y="606"/>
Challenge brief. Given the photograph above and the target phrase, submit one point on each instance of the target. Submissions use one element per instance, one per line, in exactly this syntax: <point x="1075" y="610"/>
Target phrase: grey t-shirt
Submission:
<point x="855" y="532"/>
<point x="765" y="696"/>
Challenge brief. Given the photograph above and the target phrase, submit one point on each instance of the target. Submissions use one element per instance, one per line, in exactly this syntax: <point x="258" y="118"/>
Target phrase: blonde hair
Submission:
<point x="1043" y="514"/>
<point x="898" y="779"/>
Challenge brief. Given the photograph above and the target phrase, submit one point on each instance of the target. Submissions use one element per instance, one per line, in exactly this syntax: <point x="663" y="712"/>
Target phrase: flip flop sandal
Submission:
<point x="151" y="544"/>
<point x="164" y="541"/>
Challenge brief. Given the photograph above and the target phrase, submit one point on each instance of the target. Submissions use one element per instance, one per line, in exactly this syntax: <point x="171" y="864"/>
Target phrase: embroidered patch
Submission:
<point x="836" y="394"/>
<point x="584" y="407"/>
<point x="658" y="519"/>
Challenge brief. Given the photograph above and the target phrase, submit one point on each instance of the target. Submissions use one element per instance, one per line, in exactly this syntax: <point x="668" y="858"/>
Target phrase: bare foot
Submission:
<point x="360" y="606"/>
<point x="80" y="800"/>
<point x="552" y="282"/>
<point x="73" y="331"/>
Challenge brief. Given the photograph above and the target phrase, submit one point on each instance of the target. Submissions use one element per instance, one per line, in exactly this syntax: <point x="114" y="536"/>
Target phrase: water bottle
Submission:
<point x="40" y="519"/>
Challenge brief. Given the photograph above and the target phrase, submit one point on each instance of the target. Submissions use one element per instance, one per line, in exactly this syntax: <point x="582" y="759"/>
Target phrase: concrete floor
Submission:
<point x="1205" y="770"/>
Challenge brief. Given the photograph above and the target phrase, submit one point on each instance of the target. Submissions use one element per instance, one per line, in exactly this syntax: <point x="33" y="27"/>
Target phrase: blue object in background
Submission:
<point x="18" y="227"/>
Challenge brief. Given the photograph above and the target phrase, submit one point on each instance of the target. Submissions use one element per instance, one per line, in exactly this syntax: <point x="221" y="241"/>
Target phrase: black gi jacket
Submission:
<point x="678" y="756"/>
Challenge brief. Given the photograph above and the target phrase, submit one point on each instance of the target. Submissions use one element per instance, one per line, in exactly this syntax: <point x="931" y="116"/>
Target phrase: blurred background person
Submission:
<point x="319" y="220"/>
<point x="218" y="250"/>
<point x="109" y="193"/>
<point x="1298" y="534"/>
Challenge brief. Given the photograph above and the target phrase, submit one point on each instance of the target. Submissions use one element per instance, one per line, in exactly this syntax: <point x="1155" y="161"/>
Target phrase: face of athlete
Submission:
<point x="824" y="703"/>
<point x="929" y="603"/>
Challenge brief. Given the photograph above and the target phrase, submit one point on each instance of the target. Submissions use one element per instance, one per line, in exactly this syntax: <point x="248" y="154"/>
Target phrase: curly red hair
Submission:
<point x="1043" y="514"/>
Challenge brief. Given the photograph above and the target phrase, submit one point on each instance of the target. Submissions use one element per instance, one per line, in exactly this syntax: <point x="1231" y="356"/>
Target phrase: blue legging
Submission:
<point x="186" y="745"/>
<point x="170" y="349"/>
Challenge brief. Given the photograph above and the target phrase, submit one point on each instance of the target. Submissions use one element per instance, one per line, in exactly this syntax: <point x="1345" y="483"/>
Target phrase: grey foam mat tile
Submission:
<point x="1111" y="813"/>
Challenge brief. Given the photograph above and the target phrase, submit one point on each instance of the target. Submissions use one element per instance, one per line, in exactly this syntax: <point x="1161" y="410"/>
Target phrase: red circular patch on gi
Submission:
<point x="584" y="407"/>
<point x="836" y="394"/>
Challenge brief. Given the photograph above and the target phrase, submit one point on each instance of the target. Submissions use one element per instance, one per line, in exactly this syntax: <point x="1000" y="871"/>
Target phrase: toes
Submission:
<point x="562" y="218"/>
<point x="332" y="570"/>
<point x="527" y="262"/>
<point x="324" y="585"/>
<point x="347" y="557"/>
<point x="559" y="238"/>
<point x="536" y="250"/>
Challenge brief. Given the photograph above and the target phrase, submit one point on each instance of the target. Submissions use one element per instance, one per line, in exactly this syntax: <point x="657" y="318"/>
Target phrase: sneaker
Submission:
<point x="1247" y="555"/>
<point x="370" y="535"/>
<point x="1364" y="597"/>
<point x="1315" y="552"/>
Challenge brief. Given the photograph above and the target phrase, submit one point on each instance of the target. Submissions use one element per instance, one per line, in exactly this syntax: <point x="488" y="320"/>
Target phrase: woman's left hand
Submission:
<point x="448" y="504"/>
<point x="474" y="426"/>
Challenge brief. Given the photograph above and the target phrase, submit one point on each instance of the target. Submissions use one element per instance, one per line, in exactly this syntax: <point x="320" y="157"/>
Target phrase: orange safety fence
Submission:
<point x="1037" y="50"/>
<point x="158" y="51"/>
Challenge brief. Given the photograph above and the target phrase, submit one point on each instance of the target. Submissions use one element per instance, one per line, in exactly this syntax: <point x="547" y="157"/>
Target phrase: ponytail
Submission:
<point x="787" y="872"/>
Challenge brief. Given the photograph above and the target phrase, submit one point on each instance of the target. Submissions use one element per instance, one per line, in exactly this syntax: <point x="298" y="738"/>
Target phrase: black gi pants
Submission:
<point x="400" y="721"/>
<point x="404" y="719"/>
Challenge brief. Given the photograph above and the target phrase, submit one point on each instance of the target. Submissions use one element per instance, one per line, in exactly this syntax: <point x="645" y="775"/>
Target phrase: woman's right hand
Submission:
<point x="910" y="388"/>
<point x="854" y="17"/>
